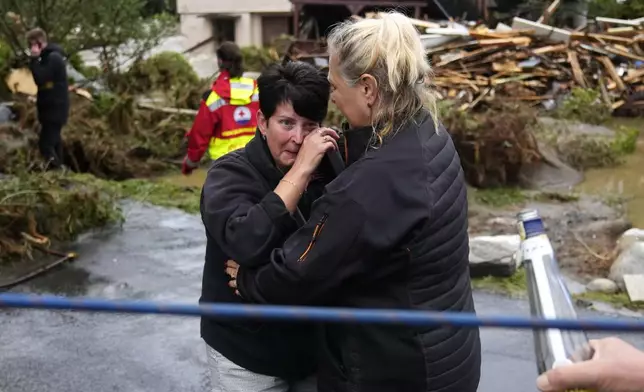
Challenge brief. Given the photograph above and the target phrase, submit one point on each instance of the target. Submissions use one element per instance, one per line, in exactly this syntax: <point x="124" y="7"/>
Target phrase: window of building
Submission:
<point x="223" y="29"/>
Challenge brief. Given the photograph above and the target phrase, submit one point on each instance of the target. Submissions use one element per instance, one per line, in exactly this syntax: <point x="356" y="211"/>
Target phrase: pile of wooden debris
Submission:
<point x="535" y="62"/>
<point x="528" y="61"/>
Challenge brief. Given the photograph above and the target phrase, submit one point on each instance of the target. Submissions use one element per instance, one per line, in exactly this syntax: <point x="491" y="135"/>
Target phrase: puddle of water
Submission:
<point x="626" y="180"/>
<point x="196" y="179"/>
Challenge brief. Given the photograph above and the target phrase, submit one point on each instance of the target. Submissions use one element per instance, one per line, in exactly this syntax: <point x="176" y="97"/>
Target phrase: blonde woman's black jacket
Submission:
<point x="244" y="221"/>
<point x="389" y="232"/>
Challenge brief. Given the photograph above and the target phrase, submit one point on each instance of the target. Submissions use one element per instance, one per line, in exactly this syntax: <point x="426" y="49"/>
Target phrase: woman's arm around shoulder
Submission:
<point x="314" y="261"/>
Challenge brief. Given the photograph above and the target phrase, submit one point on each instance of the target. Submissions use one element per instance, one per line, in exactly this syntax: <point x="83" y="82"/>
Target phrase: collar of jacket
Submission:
<point x="356" y="142"/>
<point x="260" y="157"/>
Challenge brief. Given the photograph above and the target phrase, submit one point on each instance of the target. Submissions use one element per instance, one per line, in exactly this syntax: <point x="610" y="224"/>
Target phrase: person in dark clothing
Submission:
<point x="389" y="232"/>
<point x="248" y="208"/>
<point x="50" y="74"/>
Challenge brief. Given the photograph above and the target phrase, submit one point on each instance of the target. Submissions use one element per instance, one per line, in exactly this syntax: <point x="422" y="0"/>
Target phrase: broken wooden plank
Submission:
<point x="623" y="31"/>
<point x="623" y="53"/>
<point x="623" y="22"/>
<point x="612" y="72"/>
<point x="450" y="47"/>
<point x="507" y="66"/>
<point x="601" y="37"/>
<point x="465" y="55"/>
<point x="549" y="11"/>
<point x="603" y="90"/>
<point x="187" y="112"/>
<point x="479" y="98"/>
<point x="511" y="79"/>
<point x="577" y="73"/>
<point x="487" y="34"/>
<point x="542" y="30"/>
<point x="516" y="41"/>
<point x="550" y="49"/>
<point x="634" y="287"/>
<point x="633" y="75"/>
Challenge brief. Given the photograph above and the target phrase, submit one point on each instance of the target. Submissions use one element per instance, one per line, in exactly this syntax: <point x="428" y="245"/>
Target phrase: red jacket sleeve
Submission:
<point x="201" y="132"/>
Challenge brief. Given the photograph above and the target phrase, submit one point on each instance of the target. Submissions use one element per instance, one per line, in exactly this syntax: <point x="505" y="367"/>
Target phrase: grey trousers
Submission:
<point x="226" y="376"/>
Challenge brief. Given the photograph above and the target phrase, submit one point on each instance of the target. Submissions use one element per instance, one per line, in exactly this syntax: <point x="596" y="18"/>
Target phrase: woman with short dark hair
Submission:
<point x="248" y="208"/>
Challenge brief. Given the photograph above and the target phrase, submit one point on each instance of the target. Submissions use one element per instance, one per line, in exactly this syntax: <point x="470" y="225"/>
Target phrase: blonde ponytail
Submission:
<point x="389" y="49"/>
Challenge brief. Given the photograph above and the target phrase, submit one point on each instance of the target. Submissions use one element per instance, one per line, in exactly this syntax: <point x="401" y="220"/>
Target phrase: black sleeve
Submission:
<point x="314" y="261"/>
<point x="240" y="216"/>
<point x="57" y="67"/>
<point x="39" y="72"/>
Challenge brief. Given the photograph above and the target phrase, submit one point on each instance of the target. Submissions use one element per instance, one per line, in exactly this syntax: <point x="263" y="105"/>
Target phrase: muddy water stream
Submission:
<point x="196" y="179"/>
<point x="626" y="180"/>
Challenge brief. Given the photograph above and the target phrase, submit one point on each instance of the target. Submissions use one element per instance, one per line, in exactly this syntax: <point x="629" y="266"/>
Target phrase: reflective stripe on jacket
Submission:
<point x="227" y="118"/>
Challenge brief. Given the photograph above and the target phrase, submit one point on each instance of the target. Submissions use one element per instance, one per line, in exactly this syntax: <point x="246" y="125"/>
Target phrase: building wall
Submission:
<point x="256" y="21"/>
<point x="232" y="6"/>
<point x="197" y="29"/>
<point x="273" y="26"/>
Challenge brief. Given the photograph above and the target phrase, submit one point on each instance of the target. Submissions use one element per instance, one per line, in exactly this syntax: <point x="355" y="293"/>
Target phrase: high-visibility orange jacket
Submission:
<point x="227" y="118"/>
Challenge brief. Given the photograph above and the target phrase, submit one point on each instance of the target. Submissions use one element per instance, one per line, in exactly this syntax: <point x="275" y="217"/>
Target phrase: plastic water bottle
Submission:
<point x="549" y="298"/>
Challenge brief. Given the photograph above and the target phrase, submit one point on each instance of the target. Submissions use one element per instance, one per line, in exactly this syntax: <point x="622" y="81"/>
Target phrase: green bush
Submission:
<point x="164" y="71"/>
<point x="584" y="151"/>
<point x="6" y="57"/>
<point x="76" y="61"/>
<point x="256" y="59"/>
<point x="50" y="206"/>
<point x="584" y="105"/>
<point x="627" y="9"/>
<point x="625" y="141"/>
<point x="91" y="72"/>
<point x="168" y="74"/>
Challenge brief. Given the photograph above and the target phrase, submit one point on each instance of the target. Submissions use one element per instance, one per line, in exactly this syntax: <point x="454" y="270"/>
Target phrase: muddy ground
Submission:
<point x="583" y="229"/>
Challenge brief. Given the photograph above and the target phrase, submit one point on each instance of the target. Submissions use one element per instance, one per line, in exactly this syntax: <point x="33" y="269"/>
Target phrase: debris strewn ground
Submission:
<point x="112" y="137"/>
<point x="39" y="209"/>
<point x="534" y="62"/>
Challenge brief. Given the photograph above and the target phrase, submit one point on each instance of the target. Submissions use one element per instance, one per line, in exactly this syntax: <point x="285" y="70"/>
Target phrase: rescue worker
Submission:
<point x="227" y="117"/>
<point x="49" y="71"/>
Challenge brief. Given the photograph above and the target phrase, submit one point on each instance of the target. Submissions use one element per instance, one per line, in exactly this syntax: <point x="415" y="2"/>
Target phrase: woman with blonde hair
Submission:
<point x="390" y="230"/>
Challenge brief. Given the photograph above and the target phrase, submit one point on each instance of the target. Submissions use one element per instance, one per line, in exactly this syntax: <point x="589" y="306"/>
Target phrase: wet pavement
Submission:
<point x="158" y="255"/>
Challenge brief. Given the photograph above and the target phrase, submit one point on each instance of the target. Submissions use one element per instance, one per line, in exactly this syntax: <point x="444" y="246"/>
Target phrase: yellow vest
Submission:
<point x="232" y="135"/>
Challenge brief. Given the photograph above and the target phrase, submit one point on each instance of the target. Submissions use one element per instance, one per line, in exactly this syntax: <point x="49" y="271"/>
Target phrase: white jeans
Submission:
<point x="226" y="376"/>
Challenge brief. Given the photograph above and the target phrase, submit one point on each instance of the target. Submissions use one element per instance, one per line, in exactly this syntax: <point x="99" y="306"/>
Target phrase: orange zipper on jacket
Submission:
<point x="316" y="233"/>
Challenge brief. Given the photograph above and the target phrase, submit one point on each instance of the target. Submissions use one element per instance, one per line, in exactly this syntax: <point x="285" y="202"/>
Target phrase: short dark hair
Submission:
<point x="301" y="84"/>
<point x="36" y="34"/>
<point x="231" y="58"/>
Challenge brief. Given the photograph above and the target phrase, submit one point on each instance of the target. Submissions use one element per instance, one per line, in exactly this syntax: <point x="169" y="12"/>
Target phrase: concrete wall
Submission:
<point x="197" y="29"/>
<point x="198" y="17"/>
<point x="232" y="6"/>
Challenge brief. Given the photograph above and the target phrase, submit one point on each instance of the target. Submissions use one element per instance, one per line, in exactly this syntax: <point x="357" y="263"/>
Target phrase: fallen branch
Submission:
<point x="169" y="110"/>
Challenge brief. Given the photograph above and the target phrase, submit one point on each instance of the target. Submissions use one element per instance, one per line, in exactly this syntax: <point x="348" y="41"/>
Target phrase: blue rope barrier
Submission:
<point x="316" y="314"/>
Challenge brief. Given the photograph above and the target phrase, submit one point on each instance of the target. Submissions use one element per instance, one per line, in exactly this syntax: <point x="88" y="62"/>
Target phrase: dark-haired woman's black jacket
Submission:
<point x="389" y="232"/>
<point x="244" y="221"/>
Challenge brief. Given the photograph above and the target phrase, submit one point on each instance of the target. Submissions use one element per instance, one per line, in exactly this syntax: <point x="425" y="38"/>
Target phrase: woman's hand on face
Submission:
<point x="315" y="145"/>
